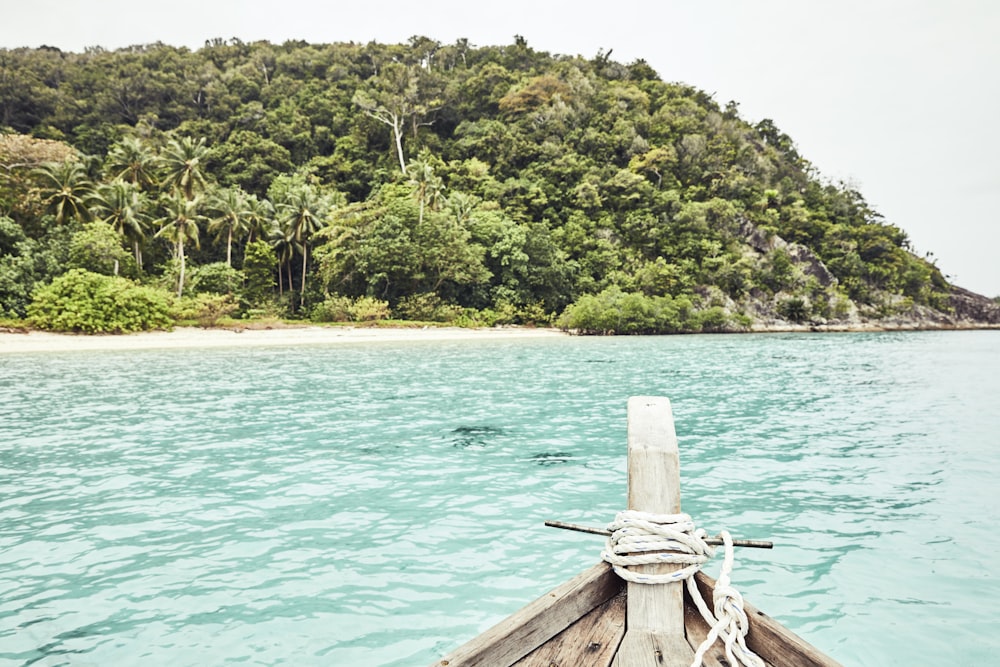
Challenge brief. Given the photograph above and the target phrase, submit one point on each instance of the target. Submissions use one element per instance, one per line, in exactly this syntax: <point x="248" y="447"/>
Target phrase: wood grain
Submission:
<point x="591" y="641"/>
<point x="524" y="631"/>
<point x="655" y="613"/>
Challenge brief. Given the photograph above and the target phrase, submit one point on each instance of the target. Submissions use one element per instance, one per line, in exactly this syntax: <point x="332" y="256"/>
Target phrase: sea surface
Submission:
<point x="381" y="503"/>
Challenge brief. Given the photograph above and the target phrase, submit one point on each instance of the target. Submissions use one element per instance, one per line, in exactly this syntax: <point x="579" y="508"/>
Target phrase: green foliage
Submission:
<point x="204" y="308"/>
<point x="615" y="312"/>
<point x="259" y="265"/>
<point x="494" y="184"/>
<point x="334" y="308"/>
<point x="85" y="302"/>
<point x="793" y="309"/>
<point x="98" y="248"/>
<point x="217" y="278"/>
<point x="384" y="248"/>
<point x="715" y="320"/>
<point x="778" y="271"/>
<point x="368" y="309"/>
<point x="26" y="263"/>
<point x="248" y="160"/>
<point x="426" y="307"/>
<point x="338" y="308"/>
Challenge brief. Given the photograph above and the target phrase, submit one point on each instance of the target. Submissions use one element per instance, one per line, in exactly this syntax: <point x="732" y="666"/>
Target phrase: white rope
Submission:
<point x="642" y="538"/>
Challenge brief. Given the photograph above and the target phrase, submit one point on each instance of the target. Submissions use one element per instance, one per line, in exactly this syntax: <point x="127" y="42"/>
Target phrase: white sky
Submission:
<point x="897" y="97"/>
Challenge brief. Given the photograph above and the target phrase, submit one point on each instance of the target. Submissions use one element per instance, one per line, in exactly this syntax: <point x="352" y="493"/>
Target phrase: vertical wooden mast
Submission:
<point x="655" y="613"/>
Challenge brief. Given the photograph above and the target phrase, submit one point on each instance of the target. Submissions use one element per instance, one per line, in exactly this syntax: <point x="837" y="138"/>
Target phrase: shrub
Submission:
<point x="259" y="264"/>
<point x="216" y="278"/>
<point x="206" y="309"/>
<point x="427" y="307"/>
<point x="87" y="302"/>
<point x="334" y="308"/>
<point x="715" y="320"/>
<point x="534" y="314"/>
<point x="794" y="309"/>
<point x="615" y="312"/>
<point x="97" y="247"/>
<point x="369" y="309"/>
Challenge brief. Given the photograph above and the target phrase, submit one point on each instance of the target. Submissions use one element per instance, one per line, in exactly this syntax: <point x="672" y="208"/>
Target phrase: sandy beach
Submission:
<point x="193" y="338"/>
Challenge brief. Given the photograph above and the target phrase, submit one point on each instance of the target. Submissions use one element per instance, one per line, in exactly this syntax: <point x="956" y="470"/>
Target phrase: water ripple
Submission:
<point x="379" y="505"/>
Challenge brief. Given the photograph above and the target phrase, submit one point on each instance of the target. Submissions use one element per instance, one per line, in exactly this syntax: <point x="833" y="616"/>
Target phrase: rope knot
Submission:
<point x="643" y="538"/>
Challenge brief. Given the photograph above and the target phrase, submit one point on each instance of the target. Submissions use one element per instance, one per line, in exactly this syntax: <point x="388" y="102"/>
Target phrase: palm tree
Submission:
<point x="66" y="189"/>
<point x="124" y="207"/>
<point x="260" y="217"/>
<point x="285" y="247"/>
<point x="461" y="206"/>
<point x="300" y="216"/>
<point x="230" y="215"/>
<point x="427" y="186"/>
<point x="183" y="164"/>
<point x="132" y="161"/>
<point x="178" y="225"/>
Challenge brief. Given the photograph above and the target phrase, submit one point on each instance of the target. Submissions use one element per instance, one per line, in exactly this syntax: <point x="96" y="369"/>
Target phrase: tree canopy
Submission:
<point x="501" y="182"/>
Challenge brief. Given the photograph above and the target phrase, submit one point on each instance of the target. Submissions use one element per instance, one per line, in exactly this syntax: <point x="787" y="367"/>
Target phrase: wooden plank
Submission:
<point x="655" y="613"/>
<point x="521" y="633"/>
<point x="642" y="647"/>
<point x="772" y="641"/>
<point x="591" y="641"/>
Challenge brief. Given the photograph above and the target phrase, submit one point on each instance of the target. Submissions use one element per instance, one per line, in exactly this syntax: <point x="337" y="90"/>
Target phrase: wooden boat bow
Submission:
<point x="597" y="619"/>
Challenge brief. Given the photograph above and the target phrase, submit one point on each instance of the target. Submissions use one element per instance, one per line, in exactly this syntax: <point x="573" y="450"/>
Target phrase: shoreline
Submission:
<point x="197" y="338"/>
<point x="36" y="341"/>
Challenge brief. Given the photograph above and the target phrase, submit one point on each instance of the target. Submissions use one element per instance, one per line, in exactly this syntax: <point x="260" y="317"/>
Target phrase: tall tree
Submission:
<point x="229" y="215"/>
<point x="427" y="186"/>
<point x="132" y="161"/>
<point x="183" y="162"/>
<point x="180" y="224"/>
<point x="300" y="216"/>
<point x="394" y="97"/>
<point x="123" y="206"/>
<point x="285" y="248"/>
<point x="66" y="189"/>
<point x="260" y="218"/>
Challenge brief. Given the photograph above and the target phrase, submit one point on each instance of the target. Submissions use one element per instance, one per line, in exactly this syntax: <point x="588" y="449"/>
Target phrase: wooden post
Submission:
<point x="655" y="613"/>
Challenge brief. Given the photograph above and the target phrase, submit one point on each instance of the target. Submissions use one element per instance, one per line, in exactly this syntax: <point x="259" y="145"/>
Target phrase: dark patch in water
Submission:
<point x="469" y="436"/>
<point x="551" y="458"/>
<point x="599" y="361"/>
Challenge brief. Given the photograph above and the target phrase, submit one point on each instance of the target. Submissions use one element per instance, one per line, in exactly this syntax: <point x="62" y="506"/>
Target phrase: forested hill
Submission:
<point x="433" y="182"/>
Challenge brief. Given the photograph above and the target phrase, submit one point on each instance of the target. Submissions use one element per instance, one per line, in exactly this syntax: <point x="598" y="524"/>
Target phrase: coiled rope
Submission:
<point x="643" y="538"/>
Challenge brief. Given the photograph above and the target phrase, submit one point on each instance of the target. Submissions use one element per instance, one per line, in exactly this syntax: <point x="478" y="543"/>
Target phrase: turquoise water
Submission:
<point x="379" y="504"/>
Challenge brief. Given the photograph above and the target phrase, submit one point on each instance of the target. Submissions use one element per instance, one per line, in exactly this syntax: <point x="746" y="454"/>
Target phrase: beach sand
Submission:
<point x="194" y="338"/>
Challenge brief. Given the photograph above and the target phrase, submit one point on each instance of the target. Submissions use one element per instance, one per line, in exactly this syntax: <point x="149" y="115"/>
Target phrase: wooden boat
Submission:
<point x="598" y="619"/>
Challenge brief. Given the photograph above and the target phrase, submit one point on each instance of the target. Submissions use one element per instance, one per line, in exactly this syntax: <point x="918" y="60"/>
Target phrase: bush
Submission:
<point x="794" y="309"/>
<point x="81" y="301"/>
<point x="715" y="320"/>
<point x="616" y="312"/>
<point x="206" y="309"/>
<point x="216" y="278"/>
<point x="259" y="264"/>
<point x="427" y="307"/>
<point x="534" y="314"/>
<point x="97" y="247"/>
<point x="334" y="308"/>
<point x="369" y="309"/>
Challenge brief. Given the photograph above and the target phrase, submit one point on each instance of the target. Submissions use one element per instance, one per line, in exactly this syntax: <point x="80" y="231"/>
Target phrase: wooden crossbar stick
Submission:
<point x="714" y="541"/>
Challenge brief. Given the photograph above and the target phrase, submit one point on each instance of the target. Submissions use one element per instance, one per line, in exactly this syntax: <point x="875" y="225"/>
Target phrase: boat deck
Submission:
<point x="582" y="622"/>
